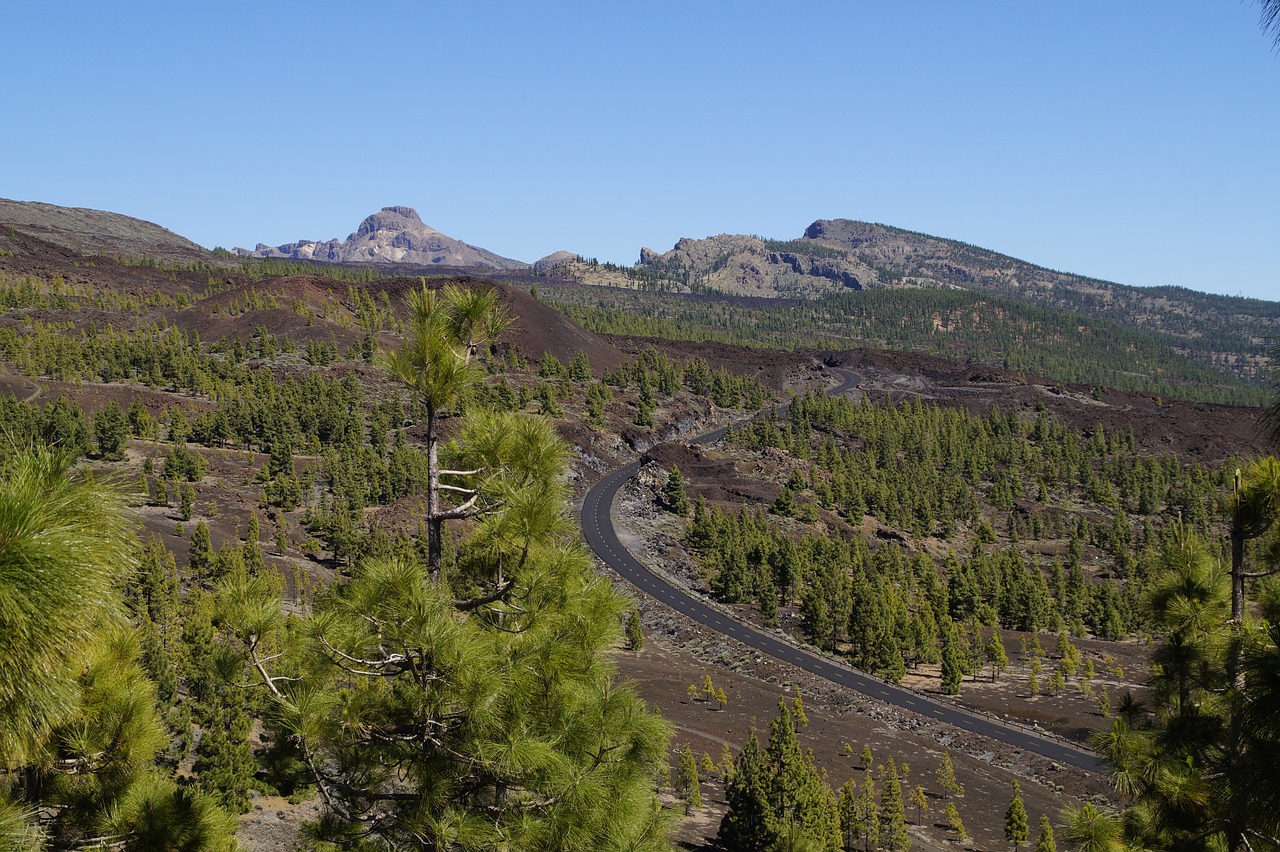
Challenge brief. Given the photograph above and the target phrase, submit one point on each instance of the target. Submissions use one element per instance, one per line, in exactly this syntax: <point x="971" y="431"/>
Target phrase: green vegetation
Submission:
<point x="453" y="683"/>
<point x="959" y="324"/>
<point x="776" y="792"/>
<point x="947" y="475"/>
<point x="81" y="733"/>
<point x="1203" y="763"/>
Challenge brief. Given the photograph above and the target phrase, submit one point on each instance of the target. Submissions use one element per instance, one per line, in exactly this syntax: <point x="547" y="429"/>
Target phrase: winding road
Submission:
<point x="600" y="535"/>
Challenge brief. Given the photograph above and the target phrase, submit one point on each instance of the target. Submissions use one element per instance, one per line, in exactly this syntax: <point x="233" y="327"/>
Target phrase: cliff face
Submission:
<point x="392" y="235"/>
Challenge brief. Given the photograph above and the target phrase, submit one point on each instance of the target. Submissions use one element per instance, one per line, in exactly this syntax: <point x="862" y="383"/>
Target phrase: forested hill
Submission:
<point x="1211" y="326"/>
<point x="841" y="255"/>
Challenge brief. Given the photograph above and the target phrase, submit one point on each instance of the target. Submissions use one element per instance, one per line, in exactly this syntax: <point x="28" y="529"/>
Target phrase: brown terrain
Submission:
<point x="677" y="653"/>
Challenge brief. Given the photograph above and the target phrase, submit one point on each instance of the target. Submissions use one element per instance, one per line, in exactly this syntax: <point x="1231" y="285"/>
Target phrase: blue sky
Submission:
<point x="1135" y="141"/>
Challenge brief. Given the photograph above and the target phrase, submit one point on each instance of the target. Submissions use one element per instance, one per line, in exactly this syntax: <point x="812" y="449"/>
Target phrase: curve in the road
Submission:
<point x="600" y="535"/>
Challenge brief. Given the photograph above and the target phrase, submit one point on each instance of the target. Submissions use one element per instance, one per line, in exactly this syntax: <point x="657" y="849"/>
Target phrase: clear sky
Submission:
<point x="1132" y="140"/>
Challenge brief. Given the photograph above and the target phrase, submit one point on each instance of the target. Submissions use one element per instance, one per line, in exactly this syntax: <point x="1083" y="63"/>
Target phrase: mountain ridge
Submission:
<point x="831" y="257"/>
<point x="835" y="256"/>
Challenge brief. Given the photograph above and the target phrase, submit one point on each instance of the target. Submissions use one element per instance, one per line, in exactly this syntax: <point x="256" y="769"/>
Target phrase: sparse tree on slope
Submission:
<point x="893" y="814"/>
<point x="777" y="796"/>
<point x="677" y="500"/>
<point x="1016" y="830"/>
<point x="1044" y="839"/>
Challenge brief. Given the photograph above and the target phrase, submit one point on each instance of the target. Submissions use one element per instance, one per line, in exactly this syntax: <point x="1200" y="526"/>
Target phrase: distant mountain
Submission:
<point x="392" y="235"/>
<point x="98" y="232"/>
<point x="841" y="255"/>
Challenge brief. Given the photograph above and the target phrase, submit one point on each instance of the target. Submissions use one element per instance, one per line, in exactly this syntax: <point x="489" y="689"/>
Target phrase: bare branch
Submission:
<point x="463" y="511"/>
<point x="1254" y="574"/>
<point x="499" y="594"/>
<point x="392" y="665"/>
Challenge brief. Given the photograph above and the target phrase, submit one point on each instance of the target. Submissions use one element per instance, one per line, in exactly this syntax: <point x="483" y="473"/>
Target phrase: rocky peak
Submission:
<point x="393" y="219"/>
<point x="393" y="235"/>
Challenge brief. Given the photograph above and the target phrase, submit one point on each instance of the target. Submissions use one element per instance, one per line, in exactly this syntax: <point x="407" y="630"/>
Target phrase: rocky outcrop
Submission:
<point x="751" y="266"/>
<point x="392" y="235"/>
<point x="556" y="258"/>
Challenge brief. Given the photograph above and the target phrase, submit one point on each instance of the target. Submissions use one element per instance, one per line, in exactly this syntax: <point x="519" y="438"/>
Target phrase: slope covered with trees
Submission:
<point x="359" y="587"/>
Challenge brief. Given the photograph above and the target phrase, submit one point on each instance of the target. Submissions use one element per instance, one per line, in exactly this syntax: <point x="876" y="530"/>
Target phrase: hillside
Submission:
<point x="94" y="232"/>
<point x="842" y="284"/>
<point x="842" y="256"/>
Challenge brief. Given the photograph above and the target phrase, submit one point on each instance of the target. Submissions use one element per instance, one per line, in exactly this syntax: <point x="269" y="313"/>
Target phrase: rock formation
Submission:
<point x="392" y="235"/>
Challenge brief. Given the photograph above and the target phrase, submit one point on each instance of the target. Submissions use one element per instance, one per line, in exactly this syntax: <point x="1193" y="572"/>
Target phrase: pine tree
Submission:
<point x="186" y="500"/>
<point x="111" y="429"/>
<point x="747" y="821"/>
<point x="952" y="814"/>
<point x="71" y="684"/>
<point x="797" y="709"/>
<point x="224" y="763"/>
<point x="921" y="801"/>
<point x="1016" y="830"/>
<point x="688" y="787"/>
<point x="946" y="777"/>
<point x="1044" y="839"/>
<point x="798" y="794"/>
<point x="953" y="659"/>
<point x="580" y="367"/>
<point x="436" y="360"/>
<point x="200" y="561"/>
<point x="251" y="552"/>
<point x="850" y="827"/>
<point x="676" y="499"/>
<point x="777" y="795"/>
<point x="426" y="719"/>
<point x="893" y="814"/>
<point x="995" y="654"/>
<point x="1069" y="657"/>
<point x="869" y="815"/>
<point x="1215" y="706"/>
<point x="635" y="631"/>
<point x="726" y="763"/>
<point x="1093" y="830"/>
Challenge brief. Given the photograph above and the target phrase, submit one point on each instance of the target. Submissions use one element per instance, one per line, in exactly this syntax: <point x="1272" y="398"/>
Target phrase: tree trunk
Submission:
<point x="1237" y="571"/>
<point x="435" y="525"/>
<point x="1236" y="841"/>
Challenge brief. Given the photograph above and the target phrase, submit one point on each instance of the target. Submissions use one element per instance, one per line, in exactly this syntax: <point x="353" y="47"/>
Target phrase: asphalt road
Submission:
<point x="600" y="535"/>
